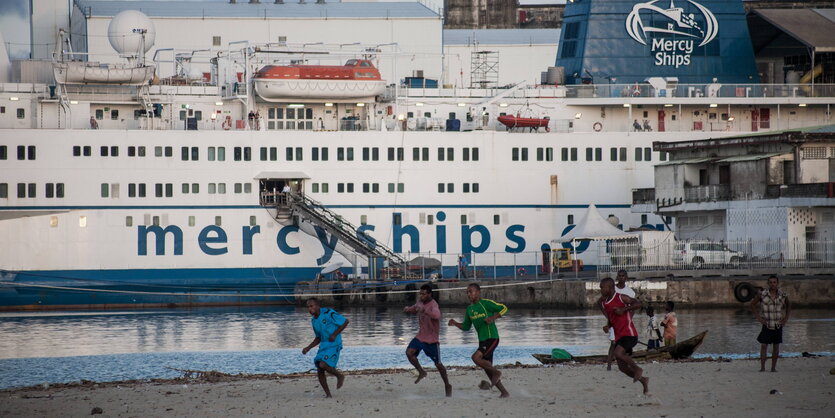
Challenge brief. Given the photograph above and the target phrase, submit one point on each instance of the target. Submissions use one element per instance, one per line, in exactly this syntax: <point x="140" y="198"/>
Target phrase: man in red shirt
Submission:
<point x="618" y="308"/>
<point x="429" y="318"/>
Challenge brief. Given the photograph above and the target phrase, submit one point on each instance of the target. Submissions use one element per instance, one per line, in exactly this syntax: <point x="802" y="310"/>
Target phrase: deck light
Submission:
<point x="502" y="104"/>
<point x="14" y="98"/>
<point x="218" y="103"/>
<point x="295" y="105"/>
<point x="461" y="104"/>
<point x="360" y="104"/>
<point x="714" y="105"/>
<point x="668" y="105"/>
<point x="627" y="105"/>
<point x="802" y="105"/>
<point x="328" y="104"/>
<point x="578" y="115"/>
<point x="418" y="104"/>
<point x="73" y="102"/>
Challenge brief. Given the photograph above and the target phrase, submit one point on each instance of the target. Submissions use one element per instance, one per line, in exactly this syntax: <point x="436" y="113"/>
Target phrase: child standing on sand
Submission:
<point x="653" y="333"/>
<point x="670" y="324"/>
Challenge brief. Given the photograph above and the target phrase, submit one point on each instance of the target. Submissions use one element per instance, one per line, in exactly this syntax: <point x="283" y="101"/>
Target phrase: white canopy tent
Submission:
<point x="592" y="227"/>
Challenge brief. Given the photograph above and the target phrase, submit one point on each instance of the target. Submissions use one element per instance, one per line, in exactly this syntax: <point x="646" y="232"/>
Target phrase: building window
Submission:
<point x="215" y="40"/>
<point x="21" y="114"/>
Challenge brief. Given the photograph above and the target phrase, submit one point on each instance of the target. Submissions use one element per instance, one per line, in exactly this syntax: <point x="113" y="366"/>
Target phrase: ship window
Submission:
<point x="21" y="113"/>
<point x="497" y="219"/>
<point x="212" y="188"/>
<point x="141" y="190"/>
<point x="643" y="219"/>
<point x="218" y="220"/>
<point x="475" y="187"/>
<point x="549" y="154"/>
<point x="430" y="219"/>
<point x="570" y="219"/>
<point x="573" y="154"/>
<point x="324" y="187"/>
<point x="450" y="154"/>
<point x="103" y="151"/>
<point x="129" y="221"/>
<point x="158" y="151"/>
<point x="253" y="221"/>
<point x="314" y="153"/>
<point x="350" y="153"/>
<point x="263" y="153"/>
<point x="247" y="187"/>
<point x="221" y="153"/>
<point x="598" y="154"/>
<point x="99" y="114"/>
<point x="647" y="154"/>
<point x="375" y="187"/>
<point x="397" y="219"/>
<point x="350" y="187"/>
<point x="363" y="219"/>
<point x="450" y="188"/>
<point x="623" y="153"/>
<point x="88" y="150"/>
<point x="131" y="190"/>
<point x="440" y="187"/>
<point x="185" y="188"/>
<point x="524" y="154"/>
<point x="31" y="149"/>
<point x="184" y="153"/>
<point x="238" y="188"/>
<point x="76" y="152"/>
<point x="613" y="154"/>
<point x="183" y="114"/>
<point x="415" y="154"/>
<point x="4" y="190"/>
<point x="21" y="190"/>
<point x="466" y="187"/>
<point x="340" y="187"/>
<point x="639" y="153"/>
<point x="391" y="187"/>
<point x="131" y="151"/>
<point x="114" y="190"/>
<point x="463" y="219"/>
<point x="140" y="151"/>
<point x="400" y="188"/>
<point x="50" y="190"/>
<point x="289" y="153"/>
<point x="210" y="155"/>
<point x="221" y="188"/>
<point x="315" y="188"/>
<point x="195" y="153"/>
<point x="238" y="154"/>
<point x="662" y="156"/>
<point x="425" y="154"/>
<point x="298" y="153"/>
<point x="169" y="189"/>
<point x="589" y="154"/>
<point x="366" y="188"/>
<point x="32" y="189"/>
<point x="340" y="154"/>
<point x="465" y="154"/>
<point x="158" y="190"/>
<point x="515" y="154"/>
<point x="114" y="151"/>
<point x="215" y="40"/>
<point x="114" y="114"/>
<point x="441" y="154"/>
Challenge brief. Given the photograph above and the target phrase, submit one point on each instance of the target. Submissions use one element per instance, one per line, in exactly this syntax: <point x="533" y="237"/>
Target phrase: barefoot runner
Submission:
<point x="327" y="326"/>
<point x="618" y="310"/>
<point x="429" y="319"/>
<point x="482" y="314"/>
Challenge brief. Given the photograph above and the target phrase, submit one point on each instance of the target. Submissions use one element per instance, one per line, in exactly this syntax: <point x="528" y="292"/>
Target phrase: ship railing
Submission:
<point x="709" y="90"/>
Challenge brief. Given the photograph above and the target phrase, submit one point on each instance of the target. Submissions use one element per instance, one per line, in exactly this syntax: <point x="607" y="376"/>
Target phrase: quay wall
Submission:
<point x="803" y="291"/>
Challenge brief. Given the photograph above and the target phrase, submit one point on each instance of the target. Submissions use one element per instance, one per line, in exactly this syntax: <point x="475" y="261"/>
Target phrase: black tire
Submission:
<point x="744" y="292"/>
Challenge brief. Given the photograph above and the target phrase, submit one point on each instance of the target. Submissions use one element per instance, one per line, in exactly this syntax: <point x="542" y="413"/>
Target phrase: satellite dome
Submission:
<point x="124" y="33"/>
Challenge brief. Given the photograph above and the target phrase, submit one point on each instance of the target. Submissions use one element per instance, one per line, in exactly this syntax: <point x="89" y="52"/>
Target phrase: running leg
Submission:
<point x="447" y="386"/>
<point x="411" y="354"/>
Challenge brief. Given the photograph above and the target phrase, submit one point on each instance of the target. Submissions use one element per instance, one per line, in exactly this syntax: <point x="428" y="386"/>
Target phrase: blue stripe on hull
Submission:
<point x="149" y="287"/>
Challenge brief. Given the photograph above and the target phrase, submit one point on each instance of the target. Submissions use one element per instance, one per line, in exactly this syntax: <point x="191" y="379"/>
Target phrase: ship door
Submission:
<point x="275" y="188"/>
<point x="755" y="120"/>
<point x="661" y="115"/>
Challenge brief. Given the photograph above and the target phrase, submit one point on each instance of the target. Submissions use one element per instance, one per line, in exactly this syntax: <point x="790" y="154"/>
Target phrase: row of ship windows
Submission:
<point x="592" y="154"/>
<point x="112" y="190"/>
<point x="24" y="152"/>
<point x="400" y="188"/>
<point x="346" y="153"/>
<point x="148" y="220"/>
<point x="30" y="190"/>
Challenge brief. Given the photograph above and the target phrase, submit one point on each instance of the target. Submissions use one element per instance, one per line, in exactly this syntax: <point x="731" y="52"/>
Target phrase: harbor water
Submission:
<point x="58" y="347"/>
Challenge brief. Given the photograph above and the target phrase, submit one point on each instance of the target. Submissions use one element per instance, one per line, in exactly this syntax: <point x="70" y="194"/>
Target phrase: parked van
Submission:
<point x="702" y="253"/>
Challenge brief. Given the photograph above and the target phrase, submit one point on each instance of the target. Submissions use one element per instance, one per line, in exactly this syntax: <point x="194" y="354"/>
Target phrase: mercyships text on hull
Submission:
<point x="175" y="192"/>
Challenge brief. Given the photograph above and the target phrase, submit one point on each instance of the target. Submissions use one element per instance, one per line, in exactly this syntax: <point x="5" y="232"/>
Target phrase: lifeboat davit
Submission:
<point x="518" y="122"/>
<point x="357" y="79"/>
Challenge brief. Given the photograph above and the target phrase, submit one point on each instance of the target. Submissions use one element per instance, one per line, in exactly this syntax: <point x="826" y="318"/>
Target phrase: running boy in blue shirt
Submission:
<point x="327" y="326"/>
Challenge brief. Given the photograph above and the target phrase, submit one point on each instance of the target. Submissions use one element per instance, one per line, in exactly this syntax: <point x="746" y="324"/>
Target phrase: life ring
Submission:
<point x="744" y="292"/>
<point x="521" y="271"/>
<point x="339" y="275"/>
<point x="597" y="126"/>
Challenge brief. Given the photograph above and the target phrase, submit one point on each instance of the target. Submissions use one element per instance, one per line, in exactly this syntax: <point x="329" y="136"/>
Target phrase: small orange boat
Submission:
<point x="519" y="122"/>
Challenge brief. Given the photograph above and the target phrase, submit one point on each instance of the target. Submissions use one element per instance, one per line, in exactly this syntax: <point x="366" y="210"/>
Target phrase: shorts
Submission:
<point x="329" y="355"/>
<point x="487" y="347"/>
<point x="627" y="343"/>
<point x="770" y="336"/>
<point x="433" y="351"/>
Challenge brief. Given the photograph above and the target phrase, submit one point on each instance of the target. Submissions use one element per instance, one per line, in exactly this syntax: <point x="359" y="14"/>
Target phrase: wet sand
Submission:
<point x="802" y="387"/>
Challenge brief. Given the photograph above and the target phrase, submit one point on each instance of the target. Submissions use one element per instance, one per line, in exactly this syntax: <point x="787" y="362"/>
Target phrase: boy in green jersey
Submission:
<point x="482" y="314"/>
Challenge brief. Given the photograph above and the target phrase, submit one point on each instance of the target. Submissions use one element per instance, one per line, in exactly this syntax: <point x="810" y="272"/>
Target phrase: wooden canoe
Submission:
<point x="681" y="350"/>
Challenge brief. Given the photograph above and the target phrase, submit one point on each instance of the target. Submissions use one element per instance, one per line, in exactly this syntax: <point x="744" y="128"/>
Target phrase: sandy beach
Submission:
<point x="802" y="387"/>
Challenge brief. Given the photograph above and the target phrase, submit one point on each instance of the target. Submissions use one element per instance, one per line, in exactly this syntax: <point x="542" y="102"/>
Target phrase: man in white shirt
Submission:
<point x="622" y="288"/>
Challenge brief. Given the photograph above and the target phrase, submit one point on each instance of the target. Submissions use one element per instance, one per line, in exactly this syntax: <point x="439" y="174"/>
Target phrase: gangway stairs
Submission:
<point x="290" y="205"/>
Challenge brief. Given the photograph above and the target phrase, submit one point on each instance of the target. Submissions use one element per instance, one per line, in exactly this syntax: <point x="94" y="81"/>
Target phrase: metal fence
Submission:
<point x="635" y="255"/>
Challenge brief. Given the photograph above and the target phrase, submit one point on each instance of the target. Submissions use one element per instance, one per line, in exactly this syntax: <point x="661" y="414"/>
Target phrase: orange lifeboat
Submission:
<point x="357" y="79"/>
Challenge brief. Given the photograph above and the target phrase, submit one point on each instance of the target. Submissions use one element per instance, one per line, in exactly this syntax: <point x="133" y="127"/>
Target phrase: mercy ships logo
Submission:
<point x="675" y="34"/>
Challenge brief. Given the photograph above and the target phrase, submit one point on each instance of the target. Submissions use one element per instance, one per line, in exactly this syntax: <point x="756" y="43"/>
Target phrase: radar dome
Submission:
<point x="125" y="30"/>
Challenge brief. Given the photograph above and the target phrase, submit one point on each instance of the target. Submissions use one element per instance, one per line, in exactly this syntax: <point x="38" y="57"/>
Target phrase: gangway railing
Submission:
<point x="334" y="224"/>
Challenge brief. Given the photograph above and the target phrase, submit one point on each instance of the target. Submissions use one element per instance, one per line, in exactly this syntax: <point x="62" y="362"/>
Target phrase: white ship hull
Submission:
<point x="78" y="72"/>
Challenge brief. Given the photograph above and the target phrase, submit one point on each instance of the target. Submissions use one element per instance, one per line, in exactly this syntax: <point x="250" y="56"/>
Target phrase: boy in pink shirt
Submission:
<point x="429" y="318"/>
